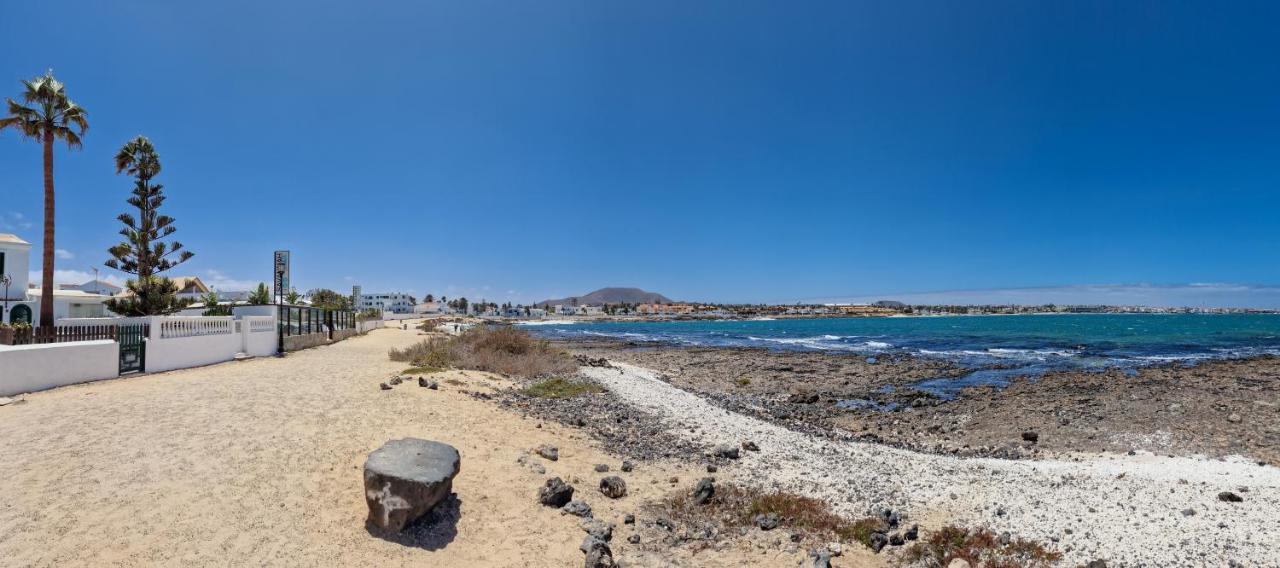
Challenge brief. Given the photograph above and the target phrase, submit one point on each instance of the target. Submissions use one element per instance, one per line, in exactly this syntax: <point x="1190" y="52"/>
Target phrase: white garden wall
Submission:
<point x="30" y="368"/>
<point x="180" y="342"/>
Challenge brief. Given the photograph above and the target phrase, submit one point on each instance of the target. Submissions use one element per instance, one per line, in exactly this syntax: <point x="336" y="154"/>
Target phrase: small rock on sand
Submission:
<point x="556" y="493"/>
<point x="549" y="452"/>
<point x="598" y="553"/>
<point x="704" y="491"/>
<point x="958" y="563"/>
<point x="726" y="451"/>
<point x="766" y="521"/>
<point x="821" y="559"/>
<point x="577" y="509"/>
<point x="1229" y="497"/>
<point x="1031" y="436"/>
<point x="598" y="529"/>
<point x="613" y="487"/>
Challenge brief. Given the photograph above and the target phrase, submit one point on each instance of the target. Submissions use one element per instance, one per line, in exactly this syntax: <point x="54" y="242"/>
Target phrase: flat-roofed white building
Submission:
<point x="386" y="302"/>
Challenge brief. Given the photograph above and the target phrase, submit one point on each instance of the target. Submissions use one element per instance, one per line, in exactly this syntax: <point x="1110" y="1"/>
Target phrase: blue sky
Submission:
<point x="733" y="151"/>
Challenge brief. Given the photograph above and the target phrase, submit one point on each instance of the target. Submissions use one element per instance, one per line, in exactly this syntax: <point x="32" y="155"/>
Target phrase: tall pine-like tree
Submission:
<point x="144" y="252"/>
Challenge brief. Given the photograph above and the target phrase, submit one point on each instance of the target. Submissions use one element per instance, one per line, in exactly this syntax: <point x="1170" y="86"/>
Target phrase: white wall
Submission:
<point x="366" y="325"/>
<point x="29" y="368"/>
<point x="260" y="338"/>
<point x="178" y="342"/>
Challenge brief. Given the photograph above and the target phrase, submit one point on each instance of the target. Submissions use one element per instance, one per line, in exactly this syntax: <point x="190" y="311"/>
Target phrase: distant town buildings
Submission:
<point x="665" y="309"/>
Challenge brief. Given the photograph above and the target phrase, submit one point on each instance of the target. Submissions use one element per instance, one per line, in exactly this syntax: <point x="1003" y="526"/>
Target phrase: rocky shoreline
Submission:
<point x="1214" y="409"/>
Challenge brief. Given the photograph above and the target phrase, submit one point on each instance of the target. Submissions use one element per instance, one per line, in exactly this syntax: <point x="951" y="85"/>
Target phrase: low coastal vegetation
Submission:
<point x="560" y="388"/>
<point x="736" y="506"/>
<point x="978" y="547"/>
<point x="502" y="350"/>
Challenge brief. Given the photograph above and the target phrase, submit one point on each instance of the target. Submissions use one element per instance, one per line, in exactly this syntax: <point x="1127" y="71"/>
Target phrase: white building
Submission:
<point x="567" y="310"/>
<point x="387" y="302"/>
<point x="23" y="302"/>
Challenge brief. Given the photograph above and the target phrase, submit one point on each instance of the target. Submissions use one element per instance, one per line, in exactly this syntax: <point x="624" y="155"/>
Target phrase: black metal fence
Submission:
<point x="306" y="320"/>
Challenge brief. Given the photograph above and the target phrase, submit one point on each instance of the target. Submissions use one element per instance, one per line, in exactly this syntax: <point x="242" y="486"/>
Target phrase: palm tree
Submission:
<point x="51" y="116"/>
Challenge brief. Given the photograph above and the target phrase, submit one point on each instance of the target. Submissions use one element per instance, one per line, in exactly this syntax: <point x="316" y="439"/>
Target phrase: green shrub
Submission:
<point x="560" y="388"/>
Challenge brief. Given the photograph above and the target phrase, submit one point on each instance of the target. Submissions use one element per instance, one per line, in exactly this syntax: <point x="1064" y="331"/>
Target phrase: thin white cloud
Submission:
<point x="220" y="281"/>
<point x="12" y="221"/>
<point x="63" y="254"/>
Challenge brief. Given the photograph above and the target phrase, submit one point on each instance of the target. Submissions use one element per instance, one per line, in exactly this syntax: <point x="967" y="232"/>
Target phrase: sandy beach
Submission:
<point x="259" y="463"/>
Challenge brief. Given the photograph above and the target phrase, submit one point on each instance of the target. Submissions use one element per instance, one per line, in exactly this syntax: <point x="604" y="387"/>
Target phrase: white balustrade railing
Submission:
<point x="195" y="326"/>
<point x="261" y="324"/>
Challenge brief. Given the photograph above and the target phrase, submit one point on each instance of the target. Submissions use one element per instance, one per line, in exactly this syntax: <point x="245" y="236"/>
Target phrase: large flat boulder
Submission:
<point x="405" y="478"/>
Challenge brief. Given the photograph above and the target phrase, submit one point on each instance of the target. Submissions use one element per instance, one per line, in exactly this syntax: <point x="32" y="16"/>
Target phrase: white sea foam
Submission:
<point x="548" y="322"/>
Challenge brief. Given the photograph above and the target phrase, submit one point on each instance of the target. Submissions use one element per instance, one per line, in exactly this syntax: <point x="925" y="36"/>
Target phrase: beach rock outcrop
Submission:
<point x="405" y="478"/>
<point x="613" y="487"/>
<point x="556" y="493"/>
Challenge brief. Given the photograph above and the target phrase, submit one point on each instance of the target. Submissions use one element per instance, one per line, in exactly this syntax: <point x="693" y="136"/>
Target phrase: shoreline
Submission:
<point x="1081" y="504"/>
<point x="1214" y="408"/>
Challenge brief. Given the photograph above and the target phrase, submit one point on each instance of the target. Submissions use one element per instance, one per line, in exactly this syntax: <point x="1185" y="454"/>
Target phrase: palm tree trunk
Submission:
<point x="46" y="281"/>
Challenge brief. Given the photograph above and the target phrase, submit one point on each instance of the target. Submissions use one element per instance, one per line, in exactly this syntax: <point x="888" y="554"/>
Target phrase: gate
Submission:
<point x="133" y="347"/>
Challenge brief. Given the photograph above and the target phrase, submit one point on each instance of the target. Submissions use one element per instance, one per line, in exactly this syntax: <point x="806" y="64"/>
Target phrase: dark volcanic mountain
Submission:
<point x="612" y="296"/>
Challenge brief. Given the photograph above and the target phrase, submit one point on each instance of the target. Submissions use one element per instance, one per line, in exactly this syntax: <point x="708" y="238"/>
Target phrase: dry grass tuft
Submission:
<point x="735" y="506"/>
<point x="503" y="350"/>
<point x="978" y="547"/>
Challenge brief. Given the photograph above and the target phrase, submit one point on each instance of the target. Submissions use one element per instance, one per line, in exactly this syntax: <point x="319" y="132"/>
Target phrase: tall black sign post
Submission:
<point x="281" y="282"/>
<point x="281" y="273"/>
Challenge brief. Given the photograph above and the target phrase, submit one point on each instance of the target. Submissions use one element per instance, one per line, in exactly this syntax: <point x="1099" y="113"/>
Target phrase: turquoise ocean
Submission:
<point x="995" y="348"/>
